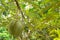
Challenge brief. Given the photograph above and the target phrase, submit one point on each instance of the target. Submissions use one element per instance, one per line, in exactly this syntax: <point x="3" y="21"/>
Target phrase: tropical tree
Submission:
<point x="31" y="19"/>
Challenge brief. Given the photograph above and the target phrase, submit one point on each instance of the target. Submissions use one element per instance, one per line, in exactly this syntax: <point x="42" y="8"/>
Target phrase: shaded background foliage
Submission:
<point x="42" y="18"/>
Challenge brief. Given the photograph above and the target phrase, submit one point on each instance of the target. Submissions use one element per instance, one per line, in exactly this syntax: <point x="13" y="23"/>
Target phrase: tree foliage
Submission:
<point x="42" y="18"/>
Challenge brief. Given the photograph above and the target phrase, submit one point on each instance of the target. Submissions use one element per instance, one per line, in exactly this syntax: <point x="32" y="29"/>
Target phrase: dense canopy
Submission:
<point x="42" y="19"/>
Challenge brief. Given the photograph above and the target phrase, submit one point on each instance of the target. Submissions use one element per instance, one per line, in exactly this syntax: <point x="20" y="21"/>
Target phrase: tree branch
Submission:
<point x="19" y="8"/>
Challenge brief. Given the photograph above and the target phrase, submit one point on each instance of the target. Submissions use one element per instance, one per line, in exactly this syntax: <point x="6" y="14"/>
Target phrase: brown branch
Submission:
<point x="19" y="8"/>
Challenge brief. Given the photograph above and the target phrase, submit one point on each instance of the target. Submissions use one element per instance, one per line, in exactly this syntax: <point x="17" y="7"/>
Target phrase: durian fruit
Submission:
<point x="16" y="28"/>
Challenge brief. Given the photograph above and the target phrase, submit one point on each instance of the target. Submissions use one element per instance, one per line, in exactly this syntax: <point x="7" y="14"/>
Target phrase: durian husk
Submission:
<point x="16" y="28"/>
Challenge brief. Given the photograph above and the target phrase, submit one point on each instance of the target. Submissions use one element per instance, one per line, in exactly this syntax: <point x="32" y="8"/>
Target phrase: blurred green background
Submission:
<point x="42" y="19"/>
